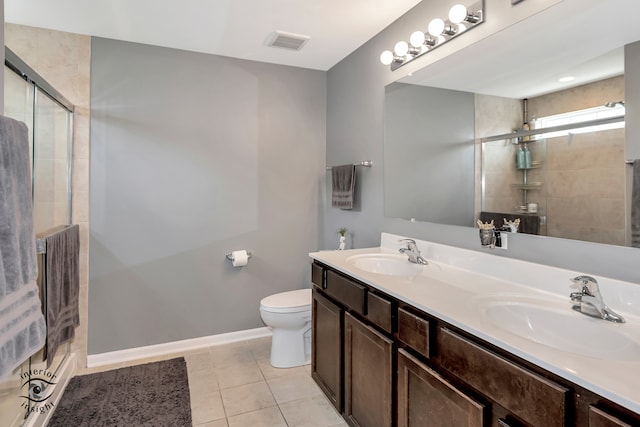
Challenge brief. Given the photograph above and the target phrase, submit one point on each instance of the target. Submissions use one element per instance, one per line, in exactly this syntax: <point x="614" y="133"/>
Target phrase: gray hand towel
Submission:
<point x="344" y="181"/>
<point x="62" y="283"/>
<point x="635" y="206"/>
<point x="22" y="325"/>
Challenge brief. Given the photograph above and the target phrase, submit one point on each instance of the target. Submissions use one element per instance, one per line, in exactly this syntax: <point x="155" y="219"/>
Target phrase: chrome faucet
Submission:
<point x="589" y="300"/>
<point x="412" y="252"/>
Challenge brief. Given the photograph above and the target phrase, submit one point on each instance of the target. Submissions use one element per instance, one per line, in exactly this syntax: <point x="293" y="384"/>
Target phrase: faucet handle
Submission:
<point x="587" y="284"/>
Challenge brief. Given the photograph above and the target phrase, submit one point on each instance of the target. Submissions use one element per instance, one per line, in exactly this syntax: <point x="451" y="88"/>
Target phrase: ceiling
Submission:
<point x="235" y="28"/>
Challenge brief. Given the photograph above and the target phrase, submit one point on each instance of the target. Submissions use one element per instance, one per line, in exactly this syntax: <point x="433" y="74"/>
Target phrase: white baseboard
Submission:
<point x="131" y="354"/>
<point x="64" y="374"/>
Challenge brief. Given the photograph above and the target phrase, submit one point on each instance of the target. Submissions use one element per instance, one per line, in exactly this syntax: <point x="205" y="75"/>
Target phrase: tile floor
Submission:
<point x="235" y="386"/>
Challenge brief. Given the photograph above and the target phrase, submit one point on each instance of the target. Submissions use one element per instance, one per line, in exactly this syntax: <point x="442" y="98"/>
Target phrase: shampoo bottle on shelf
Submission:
<point x="527" y="157"/>
<point x="520" y="158"/>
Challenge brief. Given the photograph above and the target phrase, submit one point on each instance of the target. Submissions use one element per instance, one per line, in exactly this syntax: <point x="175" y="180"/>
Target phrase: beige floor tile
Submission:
<point x="216" y="423"/>
<point x="206" y="406"/>
<point x="270" y="372"/>
<point x="293" y="387"/>
<point x="232" y="354"/>
<point x="311" y="412"/>
<point x="199" y="360"/>
<point x="238" y="374"/>
<point x="267" y="417"/>
<point x="247" y="398"/>
<point x="201" y="381"/>
<point x="260" y="348"/>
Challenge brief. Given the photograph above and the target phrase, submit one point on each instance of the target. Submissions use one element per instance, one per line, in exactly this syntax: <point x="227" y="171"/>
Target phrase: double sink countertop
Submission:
<point x="519" y="306"/>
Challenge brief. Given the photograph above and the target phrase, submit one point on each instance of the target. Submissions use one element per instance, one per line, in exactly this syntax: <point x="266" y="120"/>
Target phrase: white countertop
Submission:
<point x="458" y="285"/>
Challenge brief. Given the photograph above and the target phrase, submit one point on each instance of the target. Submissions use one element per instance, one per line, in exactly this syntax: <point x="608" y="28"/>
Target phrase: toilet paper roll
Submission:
<point x="239" y="258"/>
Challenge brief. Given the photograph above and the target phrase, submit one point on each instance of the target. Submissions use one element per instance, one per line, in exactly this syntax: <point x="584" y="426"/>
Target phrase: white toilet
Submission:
<point x="289" y="316"/>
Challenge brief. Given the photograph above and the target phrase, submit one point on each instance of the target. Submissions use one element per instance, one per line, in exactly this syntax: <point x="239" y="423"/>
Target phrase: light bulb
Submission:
<point x="417" y="39"/>
<point x="386" y="57"/>
<point x="401" y="48"/>
<point x="457" y="14"/>
<point x="436" y="27"/>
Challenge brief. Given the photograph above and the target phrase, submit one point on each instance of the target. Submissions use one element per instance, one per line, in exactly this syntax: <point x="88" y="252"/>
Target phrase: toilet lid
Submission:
<point x="290" y="301"/>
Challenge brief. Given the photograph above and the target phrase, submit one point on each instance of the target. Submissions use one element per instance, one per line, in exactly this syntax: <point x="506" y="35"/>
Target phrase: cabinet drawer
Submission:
<point x="317" y="275"/>
<point x="379" y="311"/>
<point x="346" y="292"/>
<point x="414" y="331"/>
<point x="599" y="418"/>
<point x="527" y="395"/>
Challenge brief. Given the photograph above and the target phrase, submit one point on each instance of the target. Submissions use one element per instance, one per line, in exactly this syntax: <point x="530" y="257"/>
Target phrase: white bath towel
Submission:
<point x="22" y="324"/>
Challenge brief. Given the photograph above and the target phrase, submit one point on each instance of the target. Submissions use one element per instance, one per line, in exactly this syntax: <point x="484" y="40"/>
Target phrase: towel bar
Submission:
<point x="366" y="163"/>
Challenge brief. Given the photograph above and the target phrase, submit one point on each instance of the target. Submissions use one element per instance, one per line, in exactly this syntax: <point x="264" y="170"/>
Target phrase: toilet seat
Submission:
<point x="287" y="302"/>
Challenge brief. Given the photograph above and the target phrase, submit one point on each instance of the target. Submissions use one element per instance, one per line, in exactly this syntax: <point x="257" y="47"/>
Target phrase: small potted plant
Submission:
<point x="342" y="231"/>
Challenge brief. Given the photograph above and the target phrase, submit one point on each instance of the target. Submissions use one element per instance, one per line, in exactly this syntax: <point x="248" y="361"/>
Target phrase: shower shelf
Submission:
<point x="528" y="186"/>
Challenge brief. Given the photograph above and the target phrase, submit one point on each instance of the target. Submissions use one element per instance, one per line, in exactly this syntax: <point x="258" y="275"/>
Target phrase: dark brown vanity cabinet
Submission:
<point x="385" y="363"/>
<point x="353" y="352"/>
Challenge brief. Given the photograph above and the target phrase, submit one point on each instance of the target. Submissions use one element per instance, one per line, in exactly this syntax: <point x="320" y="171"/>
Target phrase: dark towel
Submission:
<point x="22" y="326"/>
<point x="62" y="287"/>
<point x="635" y="206"/>
<point x="344" y="181"/>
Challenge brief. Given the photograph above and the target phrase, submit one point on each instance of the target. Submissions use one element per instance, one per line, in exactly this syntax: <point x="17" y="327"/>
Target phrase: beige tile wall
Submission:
<point x="64" y="60"/>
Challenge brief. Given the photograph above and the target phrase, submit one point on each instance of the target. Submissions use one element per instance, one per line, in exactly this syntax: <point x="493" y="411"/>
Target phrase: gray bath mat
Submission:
<point x="154" y="394"/>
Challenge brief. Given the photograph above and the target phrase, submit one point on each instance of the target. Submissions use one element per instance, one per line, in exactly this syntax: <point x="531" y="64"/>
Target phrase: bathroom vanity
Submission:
<point x="470" y="339"/>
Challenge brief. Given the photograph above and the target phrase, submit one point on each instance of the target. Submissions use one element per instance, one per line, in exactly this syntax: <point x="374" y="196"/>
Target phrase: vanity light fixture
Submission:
<point x="439" y="31"/>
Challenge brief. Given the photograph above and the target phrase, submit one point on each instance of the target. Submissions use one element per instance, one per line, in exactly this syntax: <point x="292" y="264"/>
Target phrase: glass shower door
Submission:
<point x="51" y="164"/>
<point x="50" y="134"/>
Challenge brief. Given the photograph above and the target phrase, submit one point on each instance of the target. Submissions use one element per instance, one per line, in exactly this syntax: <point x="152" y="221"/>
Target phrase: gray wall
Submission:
<point x="355" y="98"/>
<point x="193" y="156"/>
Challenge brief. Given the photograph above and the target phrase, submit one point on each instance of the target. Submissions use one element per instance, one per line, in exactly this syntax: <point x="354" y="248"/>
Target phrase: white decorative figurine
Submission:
<point x="513" y="225"/>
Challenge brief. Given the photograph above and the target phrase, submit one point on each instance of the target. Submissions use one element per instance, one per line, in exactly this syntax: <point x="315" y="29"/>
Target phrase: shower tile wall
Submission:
<point x="64" y="60"/>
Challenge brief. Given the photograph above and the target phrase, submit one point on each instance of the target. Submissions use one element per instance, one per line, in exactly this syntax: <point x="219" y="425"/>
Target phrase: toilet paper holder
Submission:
<point x="230" y="256"/>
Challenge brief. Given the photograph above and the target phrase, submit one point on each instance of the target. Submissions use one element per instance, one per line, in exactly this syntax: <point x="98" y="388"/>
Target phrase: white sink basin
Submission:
<point x="556" y="325"/>
<point x="387" y="264"/>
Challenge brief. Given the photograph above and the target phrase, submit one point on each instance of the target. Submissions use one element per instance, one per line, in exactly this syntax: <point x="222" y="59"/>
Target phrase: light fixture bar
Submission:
<point x="439" y="31"/>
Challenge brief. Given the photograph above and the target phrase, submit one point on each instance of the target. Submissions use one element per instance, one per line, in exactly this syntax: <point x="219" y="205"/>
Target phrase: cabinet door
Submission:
<point x="426" y="399"/>
<point x="368" y="375"/>
<point x="326" y="348"/>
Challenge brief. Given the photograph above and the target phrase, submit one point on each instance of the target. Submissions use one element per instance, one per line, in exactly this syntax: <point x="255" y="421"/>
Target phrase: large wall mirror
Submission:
<point x="443" y="165"/>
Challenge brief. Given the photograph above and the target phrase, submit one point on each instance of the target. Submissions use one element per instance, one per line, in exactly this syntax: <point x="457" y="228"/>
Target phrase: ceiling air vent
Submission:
<point x="288" y="40"/>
